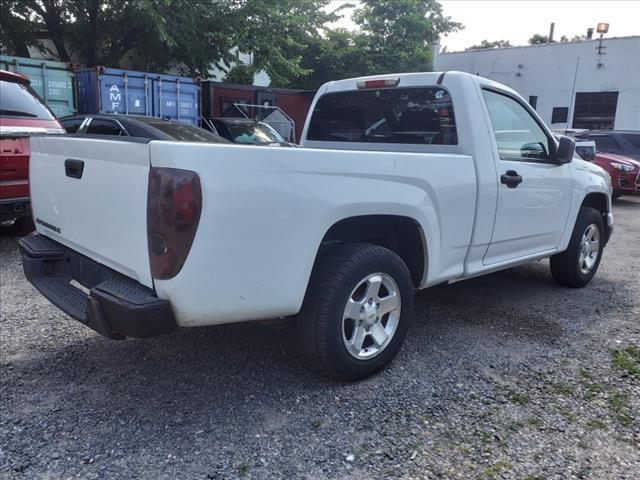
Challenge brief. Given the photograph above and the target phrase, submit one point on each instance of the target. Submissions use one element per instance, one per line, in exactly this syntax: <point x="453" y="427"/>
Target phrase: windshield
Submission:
<point x="19" y="100"/>
<point x="187" y="133"/>
<point x="254" y="133"/>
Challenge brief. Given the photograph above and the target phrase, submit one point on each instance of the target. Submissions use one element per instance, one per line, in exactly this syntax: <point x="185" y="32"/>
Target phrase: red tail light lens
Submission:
<point x="174" y="203"/>
<point x="381" y="83"/>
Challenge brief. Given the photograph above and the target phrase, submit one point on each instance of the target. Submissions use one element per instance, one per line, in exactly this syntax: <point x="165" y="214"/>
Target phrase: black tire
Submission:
<point x="336" y="273"/>
<point x="17" y="227"/>
<point x="616" y="194"/>
<point x="565" y="266"/>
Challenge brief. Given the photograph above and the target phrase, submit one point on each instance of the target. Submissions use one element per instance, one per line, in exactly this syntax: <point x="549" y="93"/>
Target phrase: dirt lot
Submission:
<point x="507" y="376"/>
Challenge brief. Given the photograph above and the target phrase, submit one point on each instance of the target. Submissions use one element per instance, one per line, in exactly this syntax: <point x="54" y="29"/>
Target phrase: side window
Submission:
<point x="633" y="139"/>
<point x="71" y="125"/>
<point x="518" y="135"/>
<point x="606" y="143"/>
<point x="104" y="127"/>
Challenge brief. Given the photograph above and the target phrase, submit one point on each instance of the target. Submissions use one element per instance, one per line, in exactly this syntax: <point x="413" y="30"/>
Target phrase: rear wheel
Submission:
<point x="356" y="312"/>
<point x="17" y="227"/>
<point x="577" y="265"/>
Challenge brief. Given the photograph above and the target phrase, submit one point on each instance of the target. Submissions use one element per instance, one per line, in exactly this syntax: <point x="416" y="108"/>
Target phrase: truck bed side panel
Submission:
<point x="266" y="210"/>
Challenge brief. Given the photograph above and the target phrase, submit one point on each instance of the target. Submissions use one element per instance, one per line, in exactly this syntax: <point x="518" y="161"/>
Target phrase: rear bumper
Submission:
<point x="14" y="208"/>
<point x="106" y="301"/>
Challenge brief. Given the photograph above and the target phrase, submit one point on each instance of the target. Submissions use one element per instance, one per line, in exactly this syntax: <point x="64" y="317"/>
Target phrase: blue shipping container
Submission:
<point x="177" y="97"/>
<point x="111" y="90"/>
<point x="53" y="81"/>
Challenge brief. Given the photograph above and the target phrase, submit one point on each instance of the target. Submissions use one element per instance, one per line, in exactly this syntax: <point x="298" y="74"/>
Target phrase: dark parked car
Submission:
<point x="138" y="126"/>
<point x="247" y="131"/>
<point x="620" y="142"/>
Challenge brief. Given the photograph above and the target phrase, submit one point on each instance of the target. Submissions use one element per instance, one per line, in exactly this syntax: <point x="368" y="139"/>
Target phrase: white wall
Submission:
<point x="549" y="71"/>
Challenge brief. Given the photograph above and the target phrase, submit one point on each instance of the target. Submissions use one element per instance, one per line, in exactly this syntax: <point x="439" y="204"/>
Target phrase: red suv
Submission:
<point x="624" y="172"/>
<point x="22" y="113"/>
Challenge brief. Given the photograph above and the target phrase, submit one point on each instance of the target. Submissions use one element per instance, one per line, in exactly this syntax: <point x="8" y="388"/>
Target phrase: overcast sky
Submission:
<point x="517" y="21"/>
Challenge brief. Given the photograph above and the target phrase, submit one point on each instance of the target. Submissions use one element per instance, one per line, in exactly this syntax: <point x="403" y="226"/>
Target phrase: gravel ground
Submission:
<point x="506" y="376"/>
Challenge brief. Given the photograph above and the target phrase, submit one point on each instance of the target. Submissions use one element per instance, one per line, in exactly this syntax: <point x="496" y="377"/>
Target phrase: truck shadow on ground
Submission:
<point x="203" y="375"/>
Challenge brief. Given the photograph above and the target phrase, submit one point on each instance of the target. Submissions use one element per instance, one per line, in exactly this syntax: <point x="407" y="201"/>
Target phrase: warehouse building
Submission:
<point x="588" y="84"/>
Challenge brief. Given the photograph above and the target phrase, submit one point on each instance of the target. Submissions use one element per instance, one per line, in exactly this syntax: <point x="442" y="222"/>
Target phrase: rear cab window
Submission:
<point x="400" y="115"/>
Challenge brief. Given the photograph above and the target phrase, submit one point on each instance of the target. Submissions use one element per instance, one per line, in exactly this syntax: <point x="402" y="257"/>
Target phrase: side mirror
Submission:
<point x="565" y="150"/>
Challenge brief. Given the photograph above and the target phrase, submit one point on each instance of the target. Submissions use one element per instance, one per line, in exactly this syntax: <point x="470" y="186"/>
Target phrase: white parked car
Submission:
<point x="402" y="182"/>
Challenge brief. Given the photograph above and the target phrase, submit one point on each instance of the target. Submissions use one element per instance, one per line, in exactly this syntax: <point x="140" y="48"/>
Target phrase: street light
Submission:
<point x="602" y="28"/>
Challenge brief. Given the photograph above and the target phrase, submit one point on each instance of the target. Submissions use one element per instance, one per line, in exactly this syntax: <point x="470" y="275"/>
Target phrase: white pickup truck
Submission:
<point x="402" y="182"/>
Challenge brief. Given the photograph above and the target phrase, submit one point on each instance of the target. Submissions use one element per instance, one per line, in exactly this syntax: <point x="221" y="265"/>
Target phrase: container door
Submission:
<point x="125" y="93"/>
<point x="53" y="81"/>
<point x="177" y="98"/>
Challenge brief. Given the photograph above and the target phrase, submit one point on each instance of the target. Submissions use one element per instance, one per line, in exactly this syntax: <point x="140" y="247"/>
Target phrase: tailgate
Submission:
<point x="91" y="195"/>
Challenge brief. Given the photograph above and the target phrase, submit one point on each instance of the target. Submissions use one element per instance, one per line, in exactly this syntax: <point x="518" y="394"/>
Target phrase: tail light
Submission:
<point x="174" y="203"/>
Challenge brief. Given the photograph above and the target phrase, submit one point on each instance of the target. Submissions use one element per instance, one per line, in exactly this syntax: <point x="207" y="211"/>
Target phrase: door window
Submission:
<point x="104" y="127"/>
<point x="518" y="135"/>
<point x="71" y="125"/>
<point x="606" y="143"/>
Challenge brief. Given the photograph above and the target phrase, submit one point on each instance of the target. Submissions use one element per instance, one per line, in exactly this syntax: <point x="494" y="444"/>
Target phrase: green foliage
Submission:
<point x="289" y="39"/>
<point x="627" y="360"/>
<point x="393" y="36"/>
<point x="538" y="39"/>
<point x="490" y="44"/>
<point x="240" y="74"/>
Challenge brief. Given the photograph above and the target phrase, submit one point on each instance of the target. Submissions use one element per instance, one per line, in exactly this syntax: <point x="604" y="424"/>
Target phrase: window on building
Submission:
<point x="533" y="101"/>
<point x="595" y="110"/>
<point x="560" y="115"/>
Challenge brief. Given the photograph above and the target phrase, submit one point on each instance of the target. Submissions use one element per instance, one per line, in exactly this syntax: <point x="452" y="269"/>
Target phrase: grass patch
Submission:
<point x="563" y="389"/>
<point x="627" y="360"/>
<point x="592" y="389"/>
<point x="519" y="398"/>
<point x="317" y="424"/>
<point x="596" y="424"/>
<point x="497" y="468"/>
<point x="620" y="408"/>
<point x="566" y="413"/>
<point x="243" y="470"/>
<point x="534" y="422"/>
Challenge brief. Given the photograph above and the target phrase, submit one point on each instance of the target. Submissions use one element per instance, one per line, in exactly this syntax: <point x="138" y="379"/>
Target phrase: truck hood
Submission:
<point x="592" y="168"/>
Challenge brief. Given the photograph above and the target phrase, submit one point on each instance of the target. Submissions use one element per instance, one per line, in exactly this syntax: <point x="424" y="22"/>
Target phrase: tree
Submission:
<point x="240" y="74"/>
<point x="393" y="36"/>
<point x="490" y="44"/>
<point x="397" y="34"/>
<point x="154" y="34"/>
<point x="538" y="39"/>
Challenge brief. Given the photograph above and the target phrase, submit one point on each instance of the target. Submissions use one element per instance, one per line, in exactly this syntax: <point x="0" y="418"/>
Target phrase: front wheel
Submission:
<point x="356" y="312"/>
<point x="576" y="266"/>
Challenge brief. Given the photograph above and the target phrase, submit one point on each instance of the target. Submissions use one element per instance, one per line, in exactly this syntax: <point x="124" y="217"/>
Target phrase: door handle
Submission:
<point x="73" y="168"/>
<point x="511" y="179"/>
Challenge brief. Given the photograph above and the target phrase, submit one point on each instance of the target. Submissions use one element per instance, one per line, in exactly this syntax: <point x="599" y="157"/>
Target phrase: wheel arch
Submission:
<point x="400" y="234"/>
